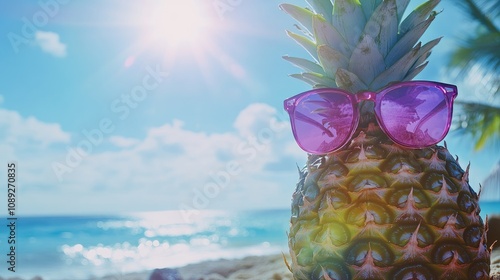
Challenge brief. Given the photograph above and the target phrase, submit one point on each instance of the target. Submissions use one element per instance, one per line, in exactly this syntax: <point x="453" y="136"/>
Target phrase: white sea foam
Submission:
<point x="152" y="253"/>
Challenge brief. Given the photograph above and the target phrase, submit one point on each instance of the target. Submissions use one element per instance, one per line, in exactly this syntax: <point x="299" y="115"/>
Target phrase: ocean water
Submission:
<point x="81" y="247"/>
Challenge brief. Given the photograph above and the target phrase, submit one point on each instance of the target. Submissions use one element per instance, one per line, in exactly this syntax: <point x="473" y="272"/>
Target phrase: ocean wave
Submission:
<point x="150" y="254"/>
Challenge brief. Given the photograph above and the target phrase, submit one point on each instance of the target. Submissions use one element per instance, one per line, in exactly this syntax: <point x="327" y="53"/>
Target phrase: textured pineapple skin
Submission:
<point x="374" y="210"/>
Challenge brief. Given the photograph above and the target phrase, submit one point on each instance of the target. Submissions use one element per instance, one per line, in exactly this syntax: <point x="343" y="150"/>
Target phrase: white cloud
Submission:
<point x="254" y="117"/>
<point x="50" y="43"/>
<point x="171" y="165"/>
<point x="33" y="144"/>
<point x="16" y="130"/>
<point x="166" y="169"/>
<point x="123" y="142"/>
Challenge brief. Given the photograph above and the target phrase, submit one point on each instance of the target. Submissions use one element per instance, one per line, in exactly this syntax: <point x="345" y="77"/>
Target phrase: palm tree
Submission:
<point x="479" y="54"/>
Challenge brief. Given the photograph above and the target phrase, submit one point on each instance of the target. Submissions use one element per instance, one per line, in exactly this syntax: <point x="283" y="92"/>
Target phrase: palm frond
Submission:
<point x="482" y="11"/>
<point x="482" y="48"/>
<point x="483" y="51"/>
<point x="481" y="121"/>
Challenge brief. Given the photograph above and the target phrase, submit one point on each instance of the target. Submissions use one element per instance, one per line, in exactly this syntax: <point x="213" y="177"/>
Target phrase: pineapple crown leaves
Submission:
<point x="360" y="44"/>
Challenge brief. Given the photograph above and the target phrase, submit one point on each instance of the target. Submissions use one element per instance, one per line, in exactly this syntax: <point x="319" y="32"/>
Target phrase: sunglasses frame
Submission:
<point x="449" y="91"/>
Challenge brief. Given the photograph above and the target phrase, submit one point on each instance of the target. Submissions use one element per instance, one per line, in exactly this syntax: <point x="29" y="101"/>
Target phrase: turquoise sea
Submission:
<point x="81" y="247"/>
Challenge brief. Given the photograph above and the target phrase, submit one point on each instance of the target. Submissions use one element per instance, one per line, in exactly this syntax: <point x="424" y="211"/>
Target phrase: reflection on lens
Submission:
<point x="415" y="116"/>
<point x="323" y="122"/>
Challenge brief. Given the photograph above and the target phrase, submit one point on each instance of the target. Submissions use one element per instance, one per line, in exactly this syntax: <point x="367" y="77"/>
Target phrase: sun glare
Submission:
<point x="184" y="31"/>
<point x="176" y="24"/>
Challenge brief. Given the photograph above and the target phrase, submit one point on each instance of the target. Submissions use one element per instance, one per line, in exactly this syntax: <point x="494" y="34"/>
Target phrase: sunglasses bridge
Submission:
<point x="365" y="96"/>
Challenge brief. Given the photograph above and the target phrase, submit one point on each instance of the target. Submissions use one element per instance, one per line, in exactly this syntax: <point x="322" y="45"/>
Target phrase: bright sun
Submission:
<point x="176" y="24"/>
<point x="178" y="31"/>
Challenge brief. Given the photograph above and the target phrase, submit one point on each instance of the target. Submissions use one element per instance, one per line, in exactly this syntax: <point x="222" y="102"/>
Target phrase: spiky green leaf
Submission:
<point x="424" y="53"/>
<point x="349" y="81"/>
<point x="427" y="47"/>
<point x="369" y="7"/>
<point x="366" y="60"/>
<point x="398" y="70"/>
<point x="304" y="64"/>
<point x="412" y="73"/>
<point x="349" y="20"/>
<point x="322" y="7"/>
<point x="401" y="6"/>
<point x="302" y="78"/>
<point x="331" y="60"/>
<point x="383" y="26"/>
<point x="359" y="40"/>
<point x="406" y="43"/>
<point x="326" y="34"/>
<point x="307" y="44"/>
<point x="320" y="80"/>
<point x="417" y="16"/>
<point x="421" y="60"/>
<point x="301" y="15"/>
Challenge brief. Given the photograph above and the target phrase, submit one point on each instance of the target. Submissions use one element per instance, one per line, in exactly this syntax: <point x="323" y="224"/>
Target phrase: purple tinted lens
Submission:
<point x="415" y="115"/>
<point x="322" y="122"/>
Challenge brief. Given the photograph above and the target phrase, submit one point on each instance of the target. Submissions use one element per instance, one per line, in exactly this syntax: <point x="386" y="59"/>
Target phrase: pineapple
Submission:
<point x="375" y="210"/>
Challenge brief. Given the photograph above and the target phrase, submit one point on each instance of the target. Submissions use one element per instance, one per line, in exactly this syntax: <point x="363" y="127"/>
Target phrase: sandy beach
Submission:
<point x="495" y="265"/>
<point x="251" y="268"/>
<point x="494" y="236"/>
<point x="255" y="268"/>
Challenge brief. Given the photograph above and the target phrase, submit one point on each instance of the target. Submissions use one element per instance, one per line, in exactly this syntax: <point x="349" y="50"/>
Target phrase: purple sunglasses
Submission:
<point x="414" y="114"/>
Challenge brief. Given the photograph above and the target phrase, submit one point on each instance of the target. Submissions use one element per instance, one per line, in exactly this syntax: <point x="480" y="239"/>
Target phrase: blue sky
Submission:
<point x="107" y="107"/>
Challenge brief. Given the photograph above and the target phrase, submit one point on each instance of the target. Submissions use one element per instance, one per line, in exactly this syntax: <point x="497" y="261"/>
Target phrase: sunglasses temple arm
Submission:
<point x="431" y="114"/>
<point x="309" y="120"/>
